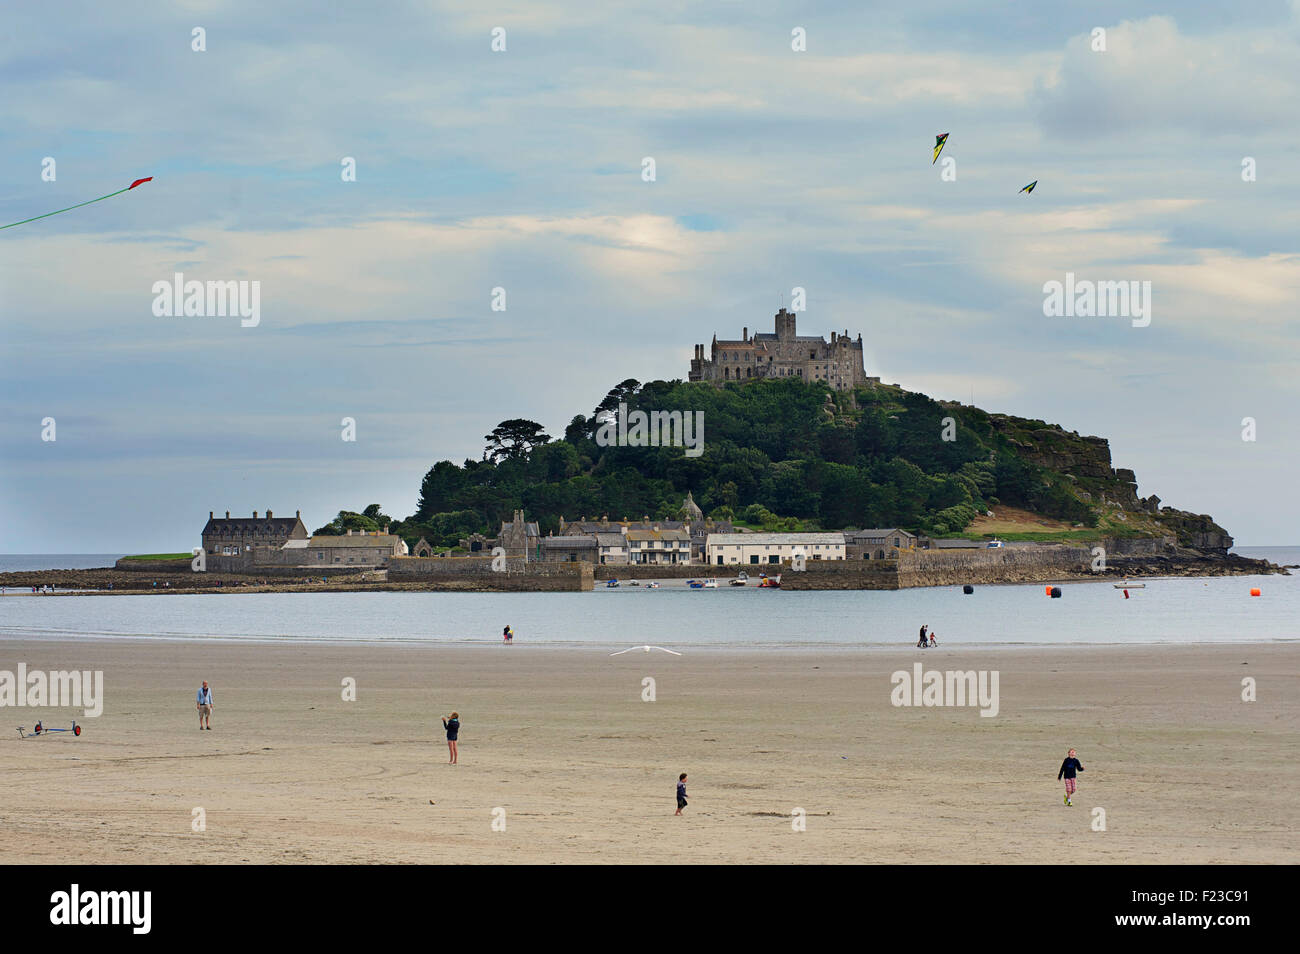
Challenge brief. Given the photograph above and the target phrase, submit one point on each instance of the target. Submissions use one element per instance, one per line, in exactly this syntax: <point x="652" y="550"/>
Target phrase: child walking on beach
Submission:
<point x="1069" y="767"/>
<point x="681" y="793"/>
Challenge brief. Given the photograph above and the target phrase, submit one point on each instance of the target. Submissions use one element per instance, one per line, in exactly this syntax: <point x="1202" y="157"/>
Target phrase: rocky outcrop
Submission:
<point x="1196" y="531"/>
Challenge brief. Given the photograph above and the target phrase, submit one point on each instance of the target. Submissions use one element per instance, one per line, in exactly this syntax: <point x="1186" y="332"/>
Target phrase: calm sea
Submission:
<point x="1215" y="610"/>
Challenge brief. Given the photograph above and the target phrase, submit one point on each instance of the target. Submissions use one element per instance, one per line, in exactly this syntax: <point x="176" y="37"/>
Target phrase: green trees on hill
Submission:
<point x="778" y="454"/>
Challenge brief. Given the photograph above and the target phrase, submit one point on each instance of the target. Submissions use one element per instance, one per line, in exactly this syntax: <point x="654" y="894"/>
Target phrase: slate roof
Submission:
<point x="385" y="540"/>
<point x="661" y="534"/>
<point x="228" y="526"/>
<point x="768" y="539"/>
<point x="569" y="543"/>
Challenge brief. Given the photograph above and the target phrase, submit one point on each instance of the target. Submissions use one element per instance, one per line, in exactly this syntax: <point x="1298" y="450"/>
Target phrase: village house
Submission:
<point x="658" y="546"/>
<point x="759" y="549"/>
<point x="611" y="546"/>
<point x="877" y="543"/>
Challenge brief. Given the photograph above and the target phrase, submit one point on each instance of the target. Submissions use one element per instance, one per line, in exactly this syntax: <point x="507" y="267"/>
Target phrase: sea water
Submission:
<point x="1167" y="611"/>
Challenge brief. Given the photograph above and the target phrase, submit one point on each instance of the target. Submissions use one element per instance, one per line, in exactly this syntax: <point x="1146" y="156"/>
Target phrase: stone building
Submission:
<point x="785" y="353"/>
<point x="354" y="548"/>
<point x="611" y="546"/>
<point x="569" y="549"/>
<point x="878" y="543"/>
<point x="241" y="536"/>
<point x="520" y="539"/>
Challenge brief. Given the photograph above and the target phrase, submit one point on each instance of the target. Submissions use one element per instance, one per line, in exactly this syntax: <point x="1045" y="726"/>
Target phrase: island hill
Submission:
<point x="779" y="434"/>
<point x="799" y="461"/>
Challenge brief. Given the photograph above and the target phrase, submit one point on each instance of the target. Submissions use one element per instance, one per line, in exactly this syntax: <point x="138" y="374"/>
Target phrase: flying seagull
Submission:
<point x="647" y="649"/>
<point x="939" y="140"/>
<point x="1030" y="187"/>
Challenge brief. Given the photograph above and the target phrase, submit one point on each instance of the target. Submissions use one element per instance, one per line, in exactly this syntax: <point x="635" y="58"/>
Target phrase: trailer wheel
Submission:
<point x="76" y="729"/>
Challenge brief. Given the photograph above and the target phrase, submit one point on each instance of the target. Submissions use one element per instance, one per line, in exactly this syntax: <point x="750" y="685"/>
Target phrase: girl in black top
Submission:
<point x="452" y="725"/>
<point x="1069" y="767"/>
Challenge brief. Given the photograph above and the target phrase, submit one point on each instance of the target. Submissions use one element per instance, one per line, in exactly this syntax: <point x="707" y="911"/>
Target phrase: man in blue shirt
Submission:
<point x="203" y="702"/>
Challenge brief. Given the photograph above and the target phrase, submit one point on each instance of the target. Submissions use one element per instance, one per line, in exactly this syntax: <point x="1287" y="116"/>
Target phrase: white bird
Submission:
<point x="647" y="649"/>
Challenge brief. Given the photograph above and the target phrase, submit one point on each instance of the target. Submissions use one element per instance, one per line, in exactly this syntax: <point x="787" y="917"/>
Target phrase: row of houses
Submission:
<point x="684" y="543"/>
<point x="243" y="542"/>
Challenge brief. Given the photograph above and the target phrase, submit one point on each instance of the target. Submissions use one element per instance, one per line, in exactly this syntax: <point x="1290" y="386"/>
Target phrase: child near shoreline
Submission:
<point x="1069" y="767"/>
<point x="681" y="793"/>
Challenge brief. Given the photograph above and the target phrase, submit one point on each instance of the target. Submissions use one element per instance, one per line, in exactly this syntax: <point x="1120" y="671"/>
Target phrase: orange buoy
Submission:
<point x="1047" y="591"/>
<point x="1254" y="591"/>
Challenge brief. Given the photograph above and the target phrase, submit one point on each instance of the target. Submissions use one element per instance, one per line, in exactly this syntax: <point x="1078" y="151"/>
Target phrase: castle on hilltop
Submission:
<point x="784" y="354"/>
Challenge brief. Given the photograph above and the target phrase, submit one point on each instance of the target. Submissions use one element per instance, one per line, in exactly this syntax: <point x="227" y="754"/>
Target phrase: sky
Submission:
<point x="522" y="169"/>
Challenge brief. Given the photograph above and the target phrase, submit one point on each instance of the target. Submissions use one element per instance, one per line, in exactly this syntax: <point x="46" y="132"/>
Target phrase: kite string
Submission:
<point x="68" y="209"/>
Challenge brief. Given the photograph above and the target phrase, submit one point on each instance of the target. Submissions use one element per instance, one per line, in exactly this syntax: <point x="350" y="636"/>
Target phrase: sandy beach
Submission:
<point x="583" y="770"/>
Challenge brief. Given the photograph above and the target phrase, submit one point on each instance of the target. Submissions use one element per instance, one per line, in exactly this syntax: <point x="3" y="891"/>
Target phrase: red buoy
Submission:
<point x="1254" y="591"/>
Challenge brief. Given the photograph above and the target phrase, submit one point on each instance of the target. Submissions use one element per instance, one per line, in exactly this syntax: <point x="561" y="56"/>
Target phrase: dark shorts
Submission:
<point x="681" y="802"/>
<point x="451" y="738"/>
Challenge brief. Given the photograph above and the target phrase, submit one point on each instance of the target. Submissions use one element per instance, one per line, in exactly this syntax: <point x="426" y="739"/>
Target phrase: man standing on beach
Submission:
<point x="203" y="702"/>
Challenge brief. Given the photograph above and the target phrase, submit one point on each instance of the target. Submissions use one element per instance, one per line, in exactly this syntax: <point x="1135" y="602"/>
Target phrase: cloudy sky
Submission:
<point x="522" y="169"/>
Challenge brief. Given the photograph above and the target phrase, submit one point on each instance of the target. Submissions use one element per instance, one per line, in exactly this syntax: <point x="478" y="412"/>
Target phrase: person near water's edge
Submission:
<point x="452" y="725"/>
<point x="921" y="643"/>
<point x="507" y="636"/>
<point x="1069" y="767"/>
<point x="681" y="793"/>
<point x="203" y="702"/>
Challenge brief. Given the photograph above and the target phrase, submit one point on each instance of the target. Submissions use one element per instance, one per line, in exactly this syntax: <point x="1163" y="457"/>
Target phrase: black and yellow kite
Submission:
<point x="1026" y="189"/>
<point x="939" y="140"/>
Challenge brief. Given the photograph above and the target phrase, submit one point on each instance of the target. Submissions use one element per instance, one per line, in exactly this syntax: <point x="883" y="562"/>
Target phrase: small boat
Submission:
<point x="710" y="584"/>
<point x="633" y="583"/>
<point x="652" y="585"/>
<point x="610" y="584"/>
<point x="770" y="583"/>
<point x="695" y="584"/>
<point x="740" y="580"/>
<point x="1130" y="586"/>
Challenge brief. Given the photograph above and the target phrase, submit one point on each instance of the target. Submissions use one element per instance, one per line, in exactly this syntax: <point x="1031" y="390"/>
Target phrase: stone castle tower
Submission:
<point x="784" y="353"/>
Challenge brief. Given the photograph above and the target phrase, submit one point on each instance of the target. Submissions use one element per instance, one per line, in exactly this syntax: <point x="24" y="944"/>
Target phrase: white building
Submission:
<point x="659" y="546"/>
<point x="760" y="549"/>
